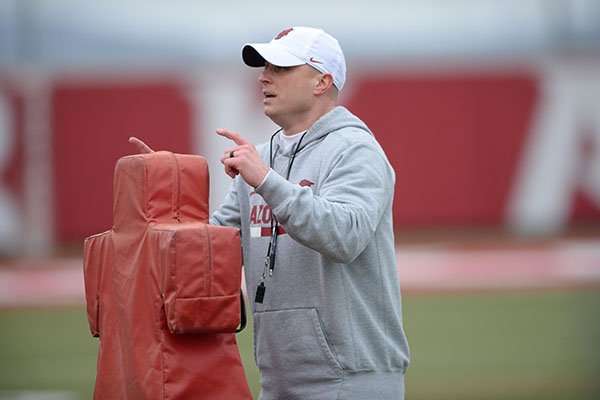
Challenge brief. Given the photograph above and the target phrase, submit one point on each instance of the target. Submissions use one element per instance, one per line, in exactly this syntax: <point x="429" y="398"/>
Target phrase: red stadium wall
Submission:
<point x="456" y="141"/>
<point x="91" y="124"/>
<point x="12" y="193"/>
<point x="11" y="175"/>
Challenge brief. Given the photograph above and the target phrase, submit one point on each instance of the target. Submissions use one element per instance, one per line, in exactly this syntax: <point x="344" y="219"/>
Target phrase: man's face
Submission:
<point x="288" y="92"/>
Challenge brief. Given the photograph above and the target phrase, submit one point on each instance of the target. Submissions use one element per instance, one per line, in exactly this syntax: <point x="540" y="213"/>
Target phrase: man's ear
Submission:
<point x="323" y="84"/>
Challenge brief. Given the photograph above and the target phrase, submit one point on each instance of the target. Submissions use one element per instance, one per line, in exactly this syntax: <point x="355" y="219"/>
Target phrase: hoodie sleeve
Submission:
<point x="228" y="213"/>
<point x="340" y="221"/>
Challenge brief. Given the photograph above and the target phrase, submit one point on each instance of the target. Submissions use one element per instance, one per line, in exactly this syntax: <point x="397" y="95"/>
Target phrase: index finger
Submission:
<point x="140" y="146"/>
<point x="236" y="137"/>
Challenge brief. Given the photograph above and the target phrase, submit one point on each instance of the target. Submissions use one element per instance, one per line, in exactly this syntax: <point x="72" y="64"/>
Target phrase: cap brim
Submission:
<point x="255" y="55"/>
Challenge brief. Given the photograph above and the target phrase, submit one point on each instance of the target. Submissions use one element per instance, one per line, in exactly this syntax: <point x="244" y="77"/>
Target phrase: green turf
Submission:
<point x="485" y="346"/>
<point x="540" y="345"/>
<point x="48" y="349"/>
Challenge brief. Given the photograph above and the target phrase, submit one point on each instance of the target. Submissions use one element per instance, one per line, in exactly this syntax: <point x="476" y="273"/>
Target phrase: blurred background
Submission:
<point x="488" y="110"/>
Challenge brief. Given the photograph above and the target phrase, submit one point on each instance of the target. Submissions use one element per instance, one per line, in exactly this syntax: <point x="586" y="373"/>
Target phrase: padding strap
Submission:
<point x="242" y="313"/>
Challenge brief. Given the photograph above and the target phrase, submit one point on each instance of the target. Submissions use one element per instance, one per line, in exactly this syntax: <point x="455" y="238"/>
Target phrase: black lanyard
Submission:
<point x="270" y="257"/>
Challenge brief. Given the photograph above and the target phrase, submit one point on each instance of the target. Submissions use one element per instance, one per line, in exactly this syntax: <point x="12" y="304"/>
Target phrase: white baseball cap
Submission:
<point x="300" y="45"/>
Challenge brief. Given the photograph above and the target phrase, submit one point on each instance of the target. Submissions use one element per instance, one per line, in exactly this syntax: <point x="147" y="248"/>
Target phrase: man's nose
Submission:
<point x="264" y="76"/>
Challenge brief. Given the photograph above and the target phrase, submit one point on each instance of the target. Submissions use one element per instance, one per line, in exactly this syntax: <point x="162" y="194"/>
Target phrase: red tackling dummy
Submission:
<point x="163" y="287"/>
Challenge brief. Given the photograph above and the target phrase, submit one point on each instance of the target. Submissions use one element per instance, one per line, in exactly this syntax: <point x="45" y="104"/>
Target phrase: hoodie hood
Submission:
<point x="334" y="120"/>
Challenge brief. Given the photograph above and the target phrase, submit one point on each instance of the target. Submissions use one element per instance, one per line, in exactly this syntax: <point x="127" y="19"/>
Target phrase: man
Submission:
<point x="314" y="206"/>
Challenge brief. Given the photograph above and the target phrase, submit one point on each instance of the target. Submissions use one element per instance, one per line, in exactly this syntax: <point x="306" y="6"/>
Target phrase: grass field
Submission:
<point x="535" y="345"/>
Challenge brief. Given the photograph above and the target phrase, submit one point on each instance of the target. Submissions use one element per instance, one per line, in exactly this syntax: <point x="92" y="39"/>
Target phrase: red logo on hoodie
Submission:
<point x="283" y="33"/>
<point x="261" y="215"/>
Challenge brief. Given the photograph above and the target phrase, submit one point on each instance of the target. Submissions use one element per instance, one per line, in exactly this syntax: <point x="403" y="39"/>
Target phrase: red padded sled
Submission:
<point x="163" y="287"/>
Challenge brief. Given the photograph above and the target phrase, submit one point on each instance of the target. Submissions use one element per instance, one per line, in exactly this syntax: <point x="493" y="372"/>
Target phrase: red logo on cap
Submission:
<point x="312" y="59"/>
<point x="283" y="33"/>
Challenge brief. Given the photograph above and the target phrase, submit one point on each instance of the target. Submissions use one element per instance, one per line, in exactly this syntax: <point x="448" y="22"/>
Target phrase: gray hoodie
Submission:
<point x="330" y="325"/>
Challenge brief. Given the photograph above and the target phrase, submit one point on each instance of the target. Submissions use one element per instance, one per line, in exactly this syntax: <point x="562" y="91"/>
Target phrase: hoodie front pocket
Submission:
<point x="294" y="357"/>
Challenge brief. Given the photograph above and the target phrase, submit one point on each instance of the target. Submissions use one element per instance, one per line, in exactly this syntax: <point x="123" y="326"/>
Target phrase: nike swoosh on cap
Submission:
<point x="312" y="59"/>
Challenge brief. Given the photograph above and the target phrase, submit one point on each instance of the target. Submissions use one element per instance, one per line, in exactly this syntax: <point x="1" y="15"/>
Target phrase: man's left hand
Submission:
<point x="245" y="161"/>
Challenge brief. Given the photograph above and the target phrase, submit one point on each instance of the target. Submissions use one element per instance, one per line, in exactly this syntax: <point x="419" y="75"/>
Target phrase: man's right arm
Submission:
<point x="228" y="213"/>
